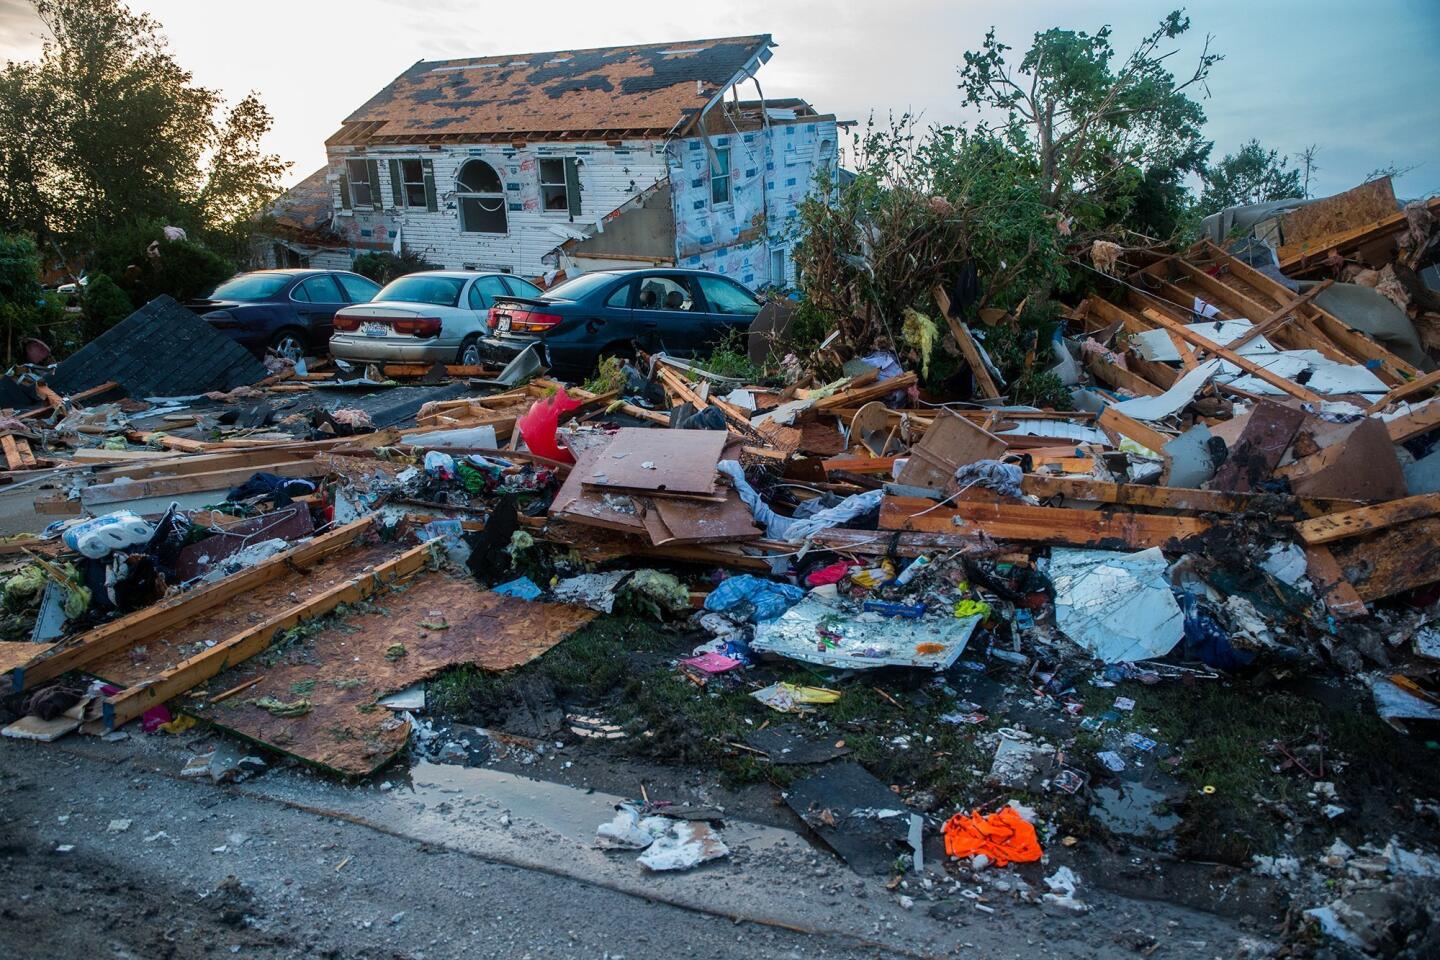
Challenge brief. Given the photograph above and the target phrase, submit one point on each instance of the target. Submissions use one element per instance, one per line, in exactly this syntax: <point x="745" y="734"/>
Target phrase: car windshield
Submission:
<point x="251" y="286"/>
<point x="581" y="287"/>
<point x="441" y="291"/>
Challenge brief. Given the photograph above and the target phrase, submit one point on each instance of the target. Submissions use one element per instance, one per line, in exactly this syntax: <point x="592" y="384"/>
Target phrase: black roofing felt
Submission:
<point x="160" y="350"/>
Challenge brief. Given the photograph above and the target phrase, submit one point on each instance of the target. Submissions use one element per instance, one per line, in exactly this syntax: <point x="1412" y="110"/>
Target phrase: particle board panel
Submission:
<point x="682" y="462"/>
<point x="166" y="650"/>
<point x="343" y="670"/>
<point x="692" y="521"/>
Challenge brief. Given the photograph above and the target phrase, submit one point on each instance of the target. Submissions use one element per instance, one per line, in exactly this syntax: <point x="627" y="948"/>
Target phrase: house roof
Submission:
<point x="648" y="89"/>
<point x="305" y="207"/>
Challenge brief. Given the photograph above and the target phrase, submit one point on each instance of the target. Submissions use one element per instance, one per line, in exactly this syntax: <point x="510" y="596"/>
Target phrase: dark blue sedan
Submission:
<point x="614" y="312"/>
<point x="287" y="312"/>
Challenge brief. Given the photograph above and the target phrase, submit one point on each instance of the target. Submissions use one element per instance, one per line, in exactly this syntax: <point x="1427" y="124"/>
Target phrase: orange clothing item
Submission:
<point x="1004" y="837"/>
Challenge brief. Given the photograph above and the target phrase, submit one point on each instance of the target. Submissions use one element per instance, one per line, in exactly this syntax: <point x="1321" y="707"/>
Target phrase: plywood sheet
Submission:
<point x="1310" y="225"/>
<point x="679" y="462"/>
<point x="343" y="670"/>
<point x="595" y="508"/>
<point x="950" y="441"/>
<point x="672" y="520"/>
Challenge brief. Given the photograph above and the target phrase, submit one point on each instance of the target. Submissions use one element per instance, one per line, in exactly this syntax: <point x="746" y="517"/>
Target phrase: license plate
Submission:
<point x="375" y="329"/>
<point x="503" y="323"/>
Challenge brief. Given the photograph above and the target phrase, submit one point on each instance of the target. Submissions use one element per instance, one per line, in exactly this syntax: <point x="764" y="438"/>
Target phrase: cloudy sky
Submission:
<point x="1357" y="80"/>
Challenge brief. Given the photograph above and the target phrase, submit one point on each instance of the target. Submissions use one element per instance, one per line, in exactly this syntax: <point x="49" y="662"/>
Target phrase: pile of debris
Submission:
<point x="1249" y="484"/>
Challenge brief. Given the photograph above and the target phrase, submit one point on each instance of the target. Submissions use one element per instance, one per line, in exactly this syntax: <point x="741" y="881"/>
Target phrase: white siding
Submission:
<point x="771" y="171"/>
<point x="608" y="177"/>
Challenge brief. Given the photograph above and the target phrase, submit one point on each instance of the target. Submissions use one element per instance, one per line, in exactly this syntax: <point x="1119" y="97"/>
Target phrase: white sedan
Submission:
<point x="424" y="317"/>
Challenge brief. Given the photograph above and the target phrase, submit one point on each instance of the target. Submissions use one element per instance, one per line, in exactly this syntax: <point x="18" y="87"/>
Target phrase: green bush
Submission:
<point x="104" y="304"/>
<point x="184" y="269"/>
<point x="25" y="309"/>
<point x="382" y="267"/>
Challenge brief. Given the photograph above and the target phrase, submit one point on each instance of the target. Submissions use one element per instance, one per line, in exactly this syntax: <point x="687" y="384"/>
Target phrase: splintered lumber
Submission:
<point x="1107" y="530"/>
<point x="966" y="342"/>
<point x="861" y="394"/>
<point x="1112" y="421"/>
<point x="1160" y="498"/>
<point x="164" y="617"/>
<point x="13" y="460"/>
<point x="1339" y="596"/>
<point x="1363" y="520"/>
<point x="1230" y="356"/>
<point x="1121" y="378"/>
<point x="1279" y="316"/>
<point x="342" y="731"/>
<point x="1414" y="422"/>
<point x="1429" y="381"/>
<point x="1392" y="560"/>
<point x="121" y="708"/>
<point x="193" y="483"/>
<point x="75" y="398"/>
<point x="165" y="440"/>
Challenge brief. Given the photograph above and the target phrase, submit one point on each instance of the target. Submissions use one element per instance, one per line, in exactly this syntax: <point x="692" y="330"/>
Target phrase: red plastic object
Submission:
<point x="539" y="423"/>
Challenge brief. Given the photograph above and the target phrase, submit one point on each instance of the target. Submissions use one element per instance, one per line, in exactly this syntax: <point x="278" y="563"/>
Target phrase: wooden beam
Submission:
<point x="1276" y="318"/>
<point x="1160" y="498"/>
<point x="135" y="627"/>
<point x="966" y="342"/>
<point x="859" y="464"/>
<point x="13" y="461"/>
<point x="168" y="442"/>
<point x="193" y="483"/>
<point x="121" y="708"/>
<point x="1413" y="423"/>
<point x="1338" y="594"/>
<point x="1244" y="363"/>
<point x="1363" y="520"/>
<point x="1393" y="560"/>
<point x="1113" y="421"/>
<point x="1429" y="381"/>
<point x="1078" y="528"/>
<point x="861" y="395"/>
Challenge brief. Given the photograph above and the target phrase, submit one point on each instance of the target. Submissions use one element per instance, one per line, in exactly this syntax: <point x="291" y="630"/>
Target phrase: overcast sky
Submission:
<point x="1358" y="80"/>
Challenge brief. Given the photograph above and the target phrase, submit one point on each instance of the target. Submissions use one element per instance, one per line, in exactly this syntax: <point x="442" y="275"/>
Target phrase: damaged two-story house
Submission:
<point x="569" y="161"/>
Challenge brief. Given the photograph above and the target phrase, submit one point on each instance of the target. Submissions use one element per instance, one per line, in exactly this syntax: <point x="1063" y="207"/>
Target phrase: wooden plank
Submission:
<point x="962" y="336"/>
<point x="74" y="398"/>
<point x="1413" y="423"/>
<point x="1429" y="381"/>
<point x="26" y="456"/>
<point x="1230" y="356"/>
<point x="121" y="708"/>
<point x="135" y="627"/>
<point x="1391" y="561"/>
<point x="1109" y="530"/>
<point x="1356" y="345"/>
<point x="950" y="442"/>
<point x="168" y="442"/>
<point x="1160" y="498"/>
<point x="1113" y="421"/>
<point x="861" y="395"/>
<point x="12" y="453"/>
<point x="859" y="464"/>
<point x="1363" y="520"/>
<point x="1121" y="378"/>
<point x="1274" y="320"/>
<point x="1339" y="596"/>
<point x="193" y="483"/>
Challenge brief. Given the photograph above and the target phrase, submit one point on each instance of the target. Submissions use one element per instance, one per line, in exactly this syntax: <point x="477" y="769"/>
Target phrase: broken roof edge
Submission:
<point x="746" y="71"/>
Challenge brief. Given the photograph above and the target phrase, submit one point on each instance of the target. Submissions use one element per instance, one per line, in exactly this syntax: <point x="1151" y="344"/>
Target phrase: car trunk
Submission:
<point x="389" y="320"/>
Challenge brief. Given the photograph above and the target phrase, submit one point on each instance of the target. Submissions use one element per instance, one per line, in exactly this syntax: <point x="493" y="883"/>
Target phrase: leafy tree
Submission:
<point x="106" y="128"/>
<point x="25" y="309"/>
<point x="1250" y="175"/>
<point x="1088" y="124"/>
<point x="384" y="266"/>
<point x="105" y="305"/>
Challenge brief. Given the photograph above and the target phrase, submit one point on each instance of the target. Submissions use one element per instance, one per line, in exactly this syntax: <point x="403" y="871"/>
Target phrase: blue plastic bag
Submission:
<point x="758" y="598"/>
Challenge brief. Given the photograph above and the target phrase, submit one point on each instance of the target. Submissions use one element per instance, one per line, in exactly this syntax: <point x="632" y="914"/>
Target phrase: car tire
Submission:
<point x="288" y="343"/>
<point x="469" y="353"/>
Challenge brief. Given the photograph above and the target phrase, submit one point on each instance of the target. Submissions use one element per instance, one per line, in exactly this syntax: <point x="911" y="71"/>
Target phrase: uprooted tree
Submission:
<point x="1088" y="145"/>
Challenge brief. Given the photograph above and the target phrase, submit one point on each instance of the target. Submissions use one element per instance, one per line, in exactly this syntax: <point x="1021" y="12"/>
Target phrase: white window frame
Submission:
<point x="406" y="183"/>
<point x="462" y="195"/>
<point x="363" y="165"/>
<point x="563" y="184"/>
<point x="728" y="177"/>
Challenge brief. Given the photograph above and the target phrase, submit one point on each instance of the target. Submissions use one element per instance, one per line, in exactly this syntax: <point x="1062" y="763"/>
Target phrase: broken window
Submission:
<point x="361" y="188"/>
<point x="560" y="185"/>
<point x="412" y="180"/>
<point x="482" y="199"/>
<point x="720" y="175"/>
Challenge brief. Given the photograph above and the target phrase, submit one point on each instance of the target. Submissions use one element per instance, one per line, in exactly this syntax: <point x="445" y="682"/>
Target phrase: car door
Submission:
<point x="481" y="298"/>
<point x="667" y="314"/>
<point x="728" y="308"/>
<point x="316" y="300"/>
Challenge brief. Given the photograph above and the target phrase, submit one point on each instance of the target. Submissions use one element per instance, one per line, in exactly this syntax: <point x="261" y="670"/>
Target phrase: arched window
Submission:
<point x="482" y="199"/>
